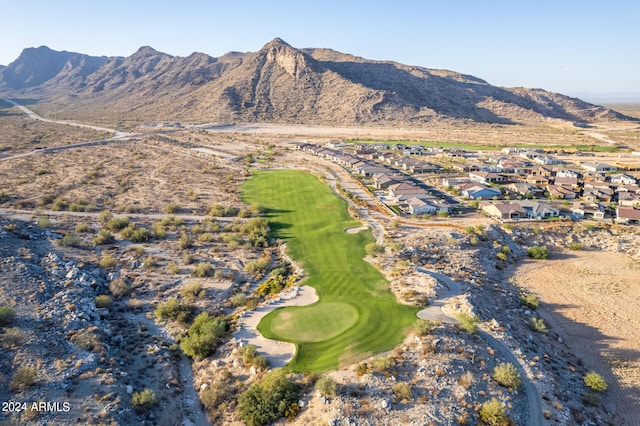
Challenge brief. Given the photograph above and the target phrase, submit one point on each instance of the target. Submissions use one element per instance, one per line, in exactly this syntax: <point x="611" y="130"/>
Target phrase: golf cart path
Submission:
<point x="435" y="311"/>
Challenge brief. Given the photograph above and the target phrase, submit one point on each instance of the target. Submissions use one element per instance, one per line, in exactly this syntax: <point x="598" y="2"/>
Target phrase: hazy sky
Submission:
<point x="567" y="46"/>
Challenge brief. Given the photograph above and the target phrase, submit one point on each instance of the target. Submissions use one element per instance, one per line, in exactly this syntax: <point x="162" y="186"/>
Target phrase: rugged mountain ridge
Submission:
<point x="279" y="83"/>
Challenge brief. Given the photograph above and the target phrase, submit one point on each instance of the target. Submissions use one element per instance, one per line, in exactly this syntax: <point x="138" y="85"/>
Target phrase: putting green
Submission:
<point x="356" y="314"/>
<point x="302" y="323"/>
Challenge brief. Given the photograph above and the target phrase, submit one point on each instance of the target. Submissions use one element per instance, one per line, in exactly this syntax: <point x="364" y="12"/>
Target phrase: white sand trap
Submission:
<point x="355" y="230"/>
<point x="278" y="353"/>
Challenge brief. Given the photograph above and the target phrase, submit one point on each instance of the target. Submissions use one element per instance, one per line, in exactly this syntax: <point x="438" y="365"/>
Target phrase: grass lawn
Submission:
<point x="357" y="314"/>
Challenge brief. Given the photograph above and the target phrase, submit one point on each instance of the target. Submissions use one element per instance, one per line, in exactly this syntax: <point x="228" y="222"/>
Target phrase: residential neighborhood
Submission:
<point x="511" y="184"/>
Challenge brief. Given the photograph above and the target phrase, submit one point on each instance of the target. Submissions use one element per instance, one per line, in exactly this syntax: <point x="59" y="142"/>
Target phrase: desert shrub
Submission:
<point x="530" y="301"/>
<point x="7" y="315"/>
<point x="119" y="288"/>
<point x="185" y="240"/>
<point x="144" y="400"/>
<point x="538" y="252"/>
<point x="501" y="256"/>
<point x="12" y="337"/>
<point x="80" y="205"/>
<point x="261" y="362"/>
<point x="103" y="237"/>
<point x="58" y="204"/>
<point x="467" y="322"/>
<point x="87" y="339"/>
<point x="203" y="270"/>
<point x="150" y="262"/>
<point x="595" y="381"/>
<point x="104" y="216"/>
<point x="425" y="327"/>
<point x="474" y="241"/>
<point x="192" y="291"/>
<point x="248" y="352"/>
<point x="103" y="301"/>
<point x="68" y="240"/>
<point x="507" y="375"/>
<point x="108" y="262"/>
<point x="187" y="258"/>
<point x="258" y="266"/>
<point x="23" y="378"/>
<point x="326" y="386"/>
<point x="159" y="230"/>
<point x="271" y="398"/>
<point x="173" y="309"/>
<point x="383" y="363"/>
<point x="173" y="267"/>
<point x="575" y="245"/>
<point x="238" y="299"/>
<point x="401" y="390"/>
<point x="373" y="249"/>
<point x="256" y="209"/>
<point x="203" y="336"/>
<point x="257" y="231"/>
<point x="206" y="237"/>
<point x="83" y="227"/>
<point x="172" y="208"/>
<point x="116" y="224"/>
<point x="466" y="379"/>
<point x="493" y="413"/>
<point x="213" y="396"/>
<point x="538" y="325"/>
<point x="44" y="222"/>
<point x="134" y="234"/>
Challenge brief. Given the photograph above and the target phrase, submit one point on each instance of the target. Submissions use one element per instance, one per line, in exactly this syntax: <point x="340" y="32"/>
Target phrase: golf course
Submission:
<point x="356" y="314"/>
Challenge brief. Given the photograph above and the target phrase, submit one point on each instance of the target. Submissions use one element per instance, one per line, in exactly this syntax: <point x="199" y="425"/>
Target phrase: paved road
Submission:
<point x="434" y="311"/>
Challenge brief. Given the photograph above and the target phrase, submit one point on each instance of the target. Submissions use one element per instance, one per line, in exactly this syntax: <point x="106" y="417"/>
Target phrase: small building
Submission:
<point x="627" y="215"/>
<point x="486" y="177"/>
<point x="599" y="167"/>
<point x="505" y="211"/>
<point x="478" y="191"/>
<point x="536" y="210"/>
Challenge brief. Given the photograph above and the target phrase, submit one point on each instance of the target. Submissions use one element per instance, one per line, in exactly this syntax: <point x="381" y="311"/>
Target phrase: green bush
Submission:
<point x="144" y="400"/>
<point x="23" y="378"/>
<point x="538" y="325"/>
<point x="257" y="231"/>
<point x="103" y="301"/>
<point x="507" y="375"/>
<point x="192" y="291"/>
<point x="326" y="386"/>
<point x="575" y="245"/>
<point x="185" y="241"/>
<point x="203" y="270"/>
<point x="68" y="240"/>
<point x="258" y="266"/>
<point x="83" y="227"/>
<point x="12" y="337"/>
<point x="373" y="249"/>
<point x="173" y="267"/>
<point x="116" y="224"/>
<point x="203" y="336"/>
<point x="108" y="262"/>
<point x="538" y="252"/>
<point x="402" y="391"/>
<point x="425" y="327"/>
<point x="44" y="222"/>
<point x="172" y="208"/>
<point x="530" y="301"/>
<point x="103" y="237"/>
<point x="238" y="299"/>
<point x="467" y="322"/>
<point x="134" y="234"/>
<point x="501" y="256"/>
<point x="174" y="310"/>
<point x="595" y="381"/>
<point x="272" y="398"/>
<point x="493" y="413"/>
<point x="7" y="315"/>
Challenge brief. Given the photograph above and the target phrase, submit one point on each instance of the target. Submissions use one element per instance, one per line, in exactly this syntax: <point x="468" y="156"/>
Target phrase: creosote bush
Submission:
<point x="530" y="301"/>
<point x="173" y="309"/>
<point x="538" y="252"/>
<point x="467" y="322"/>
<point x="493" y="413"/>
<point x="373" y="249"/>
<point x="326" y="386"/>
<point x="402" y="391"/>
<point x="7" y="315"/>
<point x="203" y="336"/>
<point x="144" y="400"/>
<point x="595" y="381"/>
<point x="424" y="327"/>
<point x="23" y="378"/>
<point x="507" y="375"/>
<point x="103" y="301"/>
<point x="271" y="398"/>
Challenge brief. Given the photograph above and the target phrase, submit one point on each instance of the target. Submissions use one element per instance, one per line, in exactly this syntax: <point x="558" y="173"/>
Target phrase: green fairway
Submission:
<point x="357" y="314"/>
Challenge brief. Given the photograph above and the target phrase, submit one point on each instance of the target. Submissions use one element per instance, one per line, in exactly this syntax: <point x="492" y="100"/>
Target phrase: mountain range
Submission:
<point x="278" y="83"/>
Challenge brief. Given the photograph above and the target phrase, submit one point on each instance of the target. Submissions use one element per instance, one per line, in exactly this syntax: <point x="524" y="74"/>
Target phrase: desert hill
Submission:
<point x="279" y="83"/>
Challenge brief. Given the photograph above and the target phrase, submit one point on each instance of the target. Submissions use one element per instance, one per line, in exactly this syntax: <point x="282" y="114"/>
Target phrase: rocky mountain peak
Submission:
<point x="293" y="61"/>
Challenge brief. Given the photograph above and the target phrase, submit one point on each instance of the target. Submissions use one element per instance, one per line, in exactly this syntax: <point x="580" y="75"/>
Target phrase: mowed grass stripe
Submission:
<point x="306" y="214"/>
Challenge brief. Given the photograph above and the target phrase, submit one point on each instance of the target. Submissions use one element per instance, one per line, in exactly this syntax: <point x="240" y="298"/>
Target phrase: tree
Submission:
<point x="270" y="399"/>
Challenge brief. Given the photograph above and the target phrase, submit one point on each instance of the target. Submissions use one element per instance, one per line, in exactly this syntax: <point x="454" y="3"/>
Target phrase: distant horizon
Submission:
<point x="566" y="47"/>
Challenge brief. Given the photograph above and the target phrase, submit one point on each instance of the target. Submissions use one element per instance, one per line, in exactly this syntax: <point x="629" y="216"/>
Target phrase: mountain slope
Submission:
<point x="278" y="83"/>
